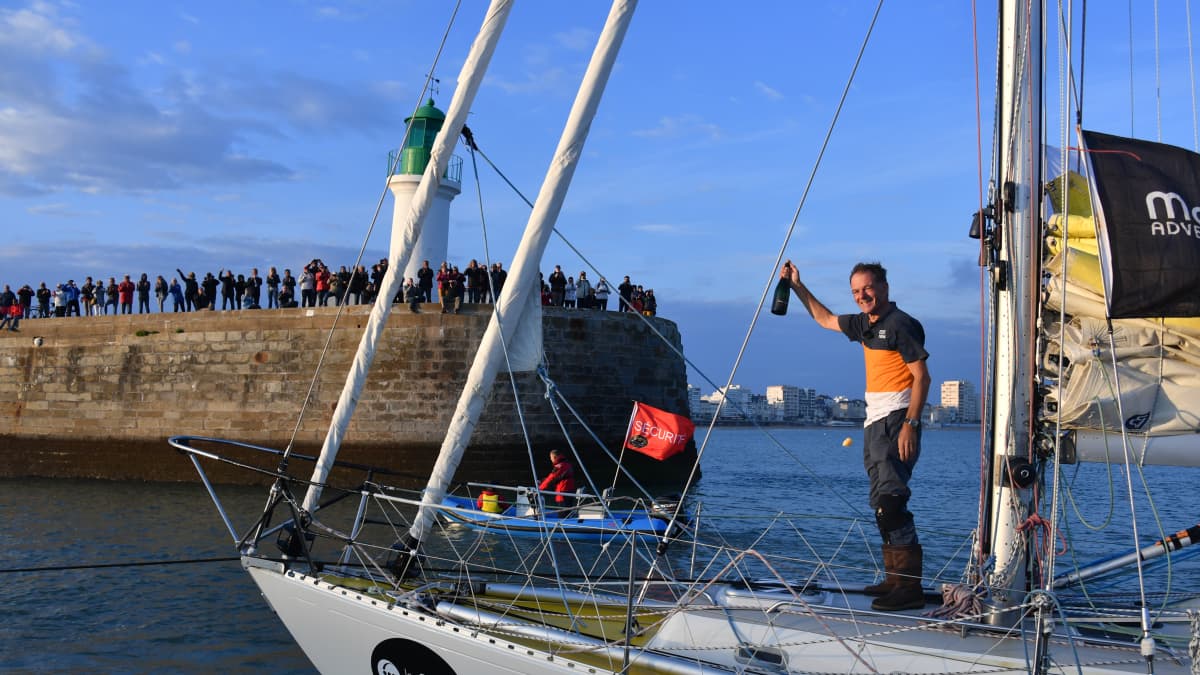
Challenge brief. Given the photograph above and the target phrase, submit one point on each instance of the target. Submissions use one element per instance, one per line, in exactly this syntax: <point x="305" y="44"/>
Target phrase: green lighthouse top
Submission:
<point x="428" y="112"/>
<point x="424" y="125"/>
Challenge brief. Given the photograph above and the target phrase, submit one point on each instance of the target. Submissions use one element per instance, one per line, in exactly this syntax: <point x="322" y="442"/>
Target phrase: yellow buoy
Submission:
<point x="848" y="442"/>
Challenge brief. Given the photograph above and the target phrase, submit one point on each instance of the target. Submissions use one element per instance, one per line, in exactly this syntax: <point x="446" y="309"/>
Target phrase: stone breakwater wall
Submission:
<point x="98" y="397"/>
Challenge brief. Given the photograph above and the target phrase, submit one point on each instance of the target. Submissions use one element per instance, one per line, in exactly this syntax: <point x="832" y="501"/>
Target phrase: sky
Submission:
<point x="149" y="136"/>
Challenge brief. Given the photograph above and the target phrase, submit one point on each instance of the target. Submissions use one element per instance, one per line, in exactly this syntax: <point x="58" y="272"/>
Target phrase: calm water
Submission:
<point x="208" y="617"/>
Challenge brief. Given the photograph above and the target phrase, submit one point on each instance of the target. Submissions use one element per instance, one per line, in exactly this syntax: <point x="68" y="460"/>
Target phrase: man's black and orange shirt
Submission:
<point x="889" y="345"/>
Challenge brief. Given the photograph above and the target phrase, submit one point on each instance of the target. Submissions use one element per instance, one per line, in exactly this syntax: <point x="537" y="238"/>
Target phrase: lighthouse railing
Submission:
<point x="453" y="168"/>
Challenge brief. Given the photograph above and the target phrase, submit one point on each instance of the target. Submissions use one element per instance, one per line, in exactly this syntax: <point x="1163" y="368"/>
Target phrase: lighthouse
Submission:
<point x="426" y="122"/>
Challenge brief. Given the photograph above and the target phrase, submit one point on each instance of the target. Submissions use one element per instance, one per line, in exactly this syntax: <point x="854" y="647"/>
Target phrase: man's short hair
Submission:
<point x="873" y="268"/>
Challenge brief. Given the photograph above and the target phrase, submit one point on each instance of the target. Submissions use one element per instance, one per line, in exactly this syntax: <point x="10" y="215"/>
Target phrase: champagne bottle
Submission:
<point x="783" y="292"/>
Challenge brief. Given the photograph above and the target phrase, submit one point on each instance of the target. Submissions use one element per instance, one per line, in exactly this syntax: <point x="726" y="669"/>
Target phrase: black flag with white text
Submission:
<point x="1149" y="225"/>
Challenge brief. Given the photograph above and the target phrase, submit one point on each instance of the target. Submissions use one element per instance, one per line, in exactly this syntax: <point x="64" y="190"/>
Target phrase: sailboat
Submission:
<point x="370" y="579"/>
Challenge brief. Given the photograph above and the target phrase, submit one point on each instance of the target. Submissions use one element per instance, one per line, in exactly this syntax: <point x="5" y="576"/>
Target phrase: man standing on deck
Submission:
<point x="897" y="385"/>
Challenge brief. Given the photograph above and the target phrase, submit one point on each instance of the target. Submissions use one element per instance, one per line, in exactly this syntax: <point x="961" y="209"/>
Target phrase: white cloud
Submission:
<point x="183" y="47"/>
<point x="577" y="39"/>
<point x="59" y="209"/>
<point x="531" y="83"/>
<point x="36" y="29"/>
<point x="72" y="118"/>
<point x="679" y="126"/>
<point x="768" y="91"/>
<point x="662" y="228"/>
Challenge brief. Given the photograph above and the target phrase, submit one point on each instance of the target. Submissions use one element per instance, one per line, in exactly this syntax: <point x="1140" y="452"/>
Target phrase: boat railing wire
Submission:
<point x="351" y="546"/>
<point x="373" y="521"/>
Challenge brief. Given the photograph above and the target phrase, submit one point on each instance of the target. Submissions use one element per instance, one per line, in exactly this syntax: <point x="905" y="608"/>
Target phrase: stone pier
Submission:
<point x="97" y="397"/>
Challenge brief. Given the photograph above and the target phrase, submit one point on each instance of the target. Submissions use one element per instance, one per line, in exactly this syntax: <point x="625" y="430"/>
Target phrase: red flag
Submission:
<point x="657" y="433"/>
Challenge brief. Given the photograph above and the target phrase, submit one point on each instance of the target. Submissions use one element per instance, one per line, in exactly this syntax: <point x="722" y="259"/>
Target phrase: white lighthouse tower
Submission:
<point x="406" y="175"/>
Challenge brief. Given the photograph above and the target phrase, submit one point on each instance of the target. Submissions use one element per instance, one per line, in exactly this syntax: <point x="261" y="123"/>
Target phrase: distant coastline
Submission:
<point x="800" y="425"/>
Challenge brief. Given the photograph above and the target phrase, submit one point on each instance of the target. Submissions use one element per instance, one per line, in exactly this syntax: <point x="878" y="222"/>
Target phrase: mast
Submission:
<point x="519" y="290"/>
<point x="470" y="78"/>
<point x="1014" y="281"/>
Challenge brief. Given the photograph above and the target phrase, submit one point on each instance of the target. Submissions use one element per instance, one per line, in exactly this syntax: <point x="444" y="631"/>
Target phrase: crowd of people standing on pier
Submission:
<point x="317" y="285"/>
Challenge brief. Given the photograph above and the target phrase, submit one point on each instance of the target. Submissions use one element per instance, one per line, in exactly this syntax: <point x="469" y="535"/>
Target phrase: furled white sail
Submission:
<point x="469" y="80"/>
<point x="1150" y="365"/>
<point x="522" y="281"/>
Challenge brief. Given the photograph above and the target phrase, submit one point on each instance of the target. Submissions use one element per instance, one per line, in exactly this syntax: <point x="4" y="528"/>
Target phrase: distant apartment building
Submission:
<point x="738" y="404"/>
<point x="842" y="409"/>
<point x="792" y="404"/>
<point x="960" y="397"/>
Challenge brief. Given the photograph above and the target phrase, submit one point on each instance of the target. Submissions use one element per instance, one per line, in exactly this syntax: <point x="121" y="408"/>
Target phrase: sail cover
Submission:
<point x="1148" y="196"/>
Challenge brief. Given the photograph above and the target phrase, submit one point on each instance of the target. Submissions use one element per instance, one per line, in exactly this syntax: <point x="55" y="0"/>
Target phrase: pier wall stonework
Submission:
<point x="97" y="397"/>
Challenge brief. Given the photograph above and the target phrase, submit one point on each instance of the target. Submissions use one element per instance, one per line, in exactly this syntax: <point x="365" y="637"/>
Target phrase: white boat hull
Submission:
<point x="342" y="631"/>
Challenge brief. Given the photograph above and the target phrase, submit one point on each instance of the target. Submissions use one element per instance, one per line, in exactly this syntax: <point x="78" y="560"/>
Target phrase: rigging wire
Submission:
<point x="308" y="397"/>
<point x="1192" y="74"/>
<point x="982" y="196"/>
<point x="787" y="237"/>
<point x="469" y="138"/>
<point x="1131" y="97"/>
<point x="1157" y="78"/>
<point x="679" y="352"/>
<point x="1065" y="55"/>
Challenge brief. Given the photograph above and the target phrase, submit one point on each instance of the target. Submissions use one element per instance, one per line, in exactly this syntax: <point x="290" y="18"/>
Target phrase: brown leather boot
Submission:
<point x="889" y="566"/>
<point x="908" y="593"/>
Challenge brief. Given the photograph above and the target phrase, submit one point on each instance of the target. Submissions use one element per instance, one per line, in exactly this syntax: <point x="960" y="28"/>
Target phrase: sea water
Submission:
<point x="202" y="617"/>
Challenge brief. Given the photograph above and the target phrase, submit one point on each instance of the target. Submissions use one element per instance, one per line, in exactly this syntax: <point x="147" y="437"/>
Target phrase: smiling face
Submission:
<point x="870" y="295"/>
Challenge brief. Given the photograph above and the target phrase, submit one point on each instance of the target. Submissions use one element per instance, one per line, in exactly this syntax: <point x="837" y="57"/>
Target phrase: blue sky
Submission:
<point x="144" y="136"/>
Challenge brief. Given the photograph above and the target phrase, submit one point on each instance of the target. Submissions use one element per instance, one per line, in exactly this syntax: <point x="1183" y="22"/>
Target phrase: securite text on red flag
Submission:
<point x="658" y="433"/>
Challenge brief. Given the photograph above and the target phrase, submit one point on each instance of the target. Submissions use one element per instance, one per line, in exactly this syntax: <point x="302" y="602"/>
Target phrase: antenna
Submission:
<point x="433" y="84"/>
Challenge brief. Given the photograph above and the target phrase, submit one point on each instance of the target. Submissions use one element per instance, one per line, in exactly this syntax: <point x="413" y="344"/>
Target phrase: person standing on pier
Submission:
<point x="25" y="297"/>
<point x="272" y="289"/>
<point x="176" y="292"/>
<point x="43" y="297"/>
<point x="8" y="300"/>
<point x="161" y="290"/>
<point x="125" y="289"/>
<point x="210" y="291"/>
<point x="602" y="292"/>
<point x="99" y="296"/>
<point x="143" y="294"/>
<point x="625" y="291"/>
<point x="254" y="287"/>
<point x="190" y="289"/>
<point x="424" y="280"/>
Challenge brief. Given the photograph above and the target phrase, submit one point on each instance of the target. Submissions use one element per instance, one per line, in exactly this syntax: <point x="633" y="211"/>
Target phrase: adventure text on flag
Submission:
<point x="1148" y="225"/>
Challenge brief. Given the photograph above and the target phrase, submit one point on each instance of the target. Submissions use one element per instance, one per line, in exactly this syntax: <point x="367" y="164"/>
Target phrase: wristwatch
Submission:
<point x="913" y="422"/>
